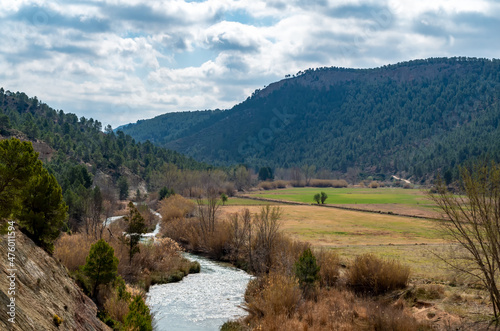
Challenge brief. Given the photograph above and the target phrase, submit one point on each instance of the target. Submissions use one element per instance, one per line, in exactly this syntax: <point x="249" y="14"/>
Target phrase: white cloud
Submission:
<point x="123" y="60"/>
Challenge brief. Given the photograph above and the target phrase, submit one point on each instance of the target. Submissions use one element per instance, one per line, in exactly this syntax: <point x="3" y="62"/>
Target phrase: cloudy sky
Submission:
<point x="123" y="60"/>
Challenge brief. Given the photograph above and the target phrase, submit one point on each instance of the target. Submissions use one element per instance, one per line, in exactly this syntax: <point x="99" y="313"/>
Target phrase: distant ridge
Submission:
<point x="413" y="119"/>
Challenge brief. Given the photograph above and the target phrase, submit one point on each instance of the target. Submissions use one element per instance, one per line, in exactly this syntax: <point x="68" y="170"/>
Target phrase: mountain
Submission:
<point x="413" y="118"/>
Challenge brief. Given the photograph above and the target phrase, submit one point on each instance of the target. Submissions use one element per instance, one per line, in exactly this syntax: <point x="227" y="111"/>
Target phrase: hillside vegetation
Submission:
<point x="413" y="119"/>
<point x="89" y="164"/>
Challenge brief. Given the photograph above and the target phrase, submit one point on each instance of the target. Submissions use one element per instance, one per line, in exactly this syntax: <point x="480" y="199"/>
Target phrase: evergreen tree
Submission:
<point x="101" y="265"/>
<point x="135" y="228"/>
<point x="122" y="188"/>
<point x="138" y="317"/>
<point x="43" y="210"/>
<point x="18" y="163"/>
<point x="306" y="269"/>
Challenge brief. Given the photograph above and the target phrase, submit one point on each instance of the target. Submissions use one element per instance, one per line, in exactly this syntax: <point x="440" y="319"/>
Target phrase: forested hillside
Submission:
<point x="412" y="119"/>
<point x="89" y="164"/>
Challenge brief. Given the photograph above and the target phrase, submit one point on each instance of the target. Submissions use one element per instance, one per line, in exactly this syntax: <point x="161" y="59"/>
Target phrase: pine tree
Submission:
<point x="43" y="210"/>
<point x="18" y="163"/>
<point x="306" y="269"/>
<point x="102" y="265"/>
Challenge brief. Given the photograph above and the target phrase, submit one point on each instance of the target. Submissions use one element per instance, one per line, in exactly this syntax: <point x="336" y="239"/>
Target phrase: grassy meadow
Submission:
<point x="396" y="200"/>
<point x="412" y="241"/>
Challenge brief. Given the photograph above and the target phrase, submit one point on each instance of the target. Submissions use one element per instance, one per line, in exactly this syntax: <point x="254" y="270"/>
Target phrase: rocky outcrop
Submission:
<point x="45" y="295"/>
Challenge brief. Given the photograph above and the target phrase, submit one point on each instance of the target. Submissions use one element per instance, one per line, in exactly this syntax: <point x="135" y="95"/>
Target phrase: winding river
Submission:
<point x="200" y="302"/>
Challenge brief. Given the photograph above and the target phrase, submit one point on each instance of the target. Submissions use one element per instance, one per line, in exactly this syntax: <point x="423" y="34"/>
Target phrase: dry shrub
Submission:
<point x="372" y="275"/>
<point x="338" y="183"/>
<point x="149" y="218"/>
<point x="267" y="185"/>
<point x="274" y="295"/>
<point x="329" y="263"/>
<point x="228" y="188"/>
<point x="72" y="250"/>
<point x="218" y="242"/>
<point x="430" y="292"/>
<point x="116" y="308"/>
<point x="374" y="184"/>
<point x="281" y="183"/>
<point x="336" y="309"/>
<point x="285" y="252"/>
<point x="176" y="207"/>
<point x="407" y="186"/>
<point x="298" y="183"/>
<point x="383" y="317"/>
<point x="320" y="183"/>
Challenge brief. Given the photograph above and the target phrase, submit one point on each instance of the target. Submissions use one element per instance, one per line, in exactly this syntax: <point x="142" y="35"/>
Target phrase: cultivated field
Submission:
<point x="395" y="200"/>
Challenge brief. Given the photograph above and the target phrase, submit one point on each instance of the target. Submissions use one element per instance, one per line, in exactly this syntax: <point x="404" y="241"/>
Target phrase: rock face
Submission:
<point x="43" y="292"/>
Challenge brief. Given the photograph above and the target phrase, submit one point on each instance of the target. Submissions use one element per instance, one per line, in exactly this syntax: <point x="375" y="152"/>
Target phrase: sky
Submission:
<point x="119" y="61"/>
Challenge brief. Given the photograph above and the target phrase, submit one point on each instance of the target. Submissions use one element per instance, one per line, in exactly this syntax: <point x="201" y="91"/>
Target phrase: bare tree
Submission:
<point x="207" y="211"/>
<point x="93" y="212"/>
<point x="267" y="225"/>
<point x="308" y="171"/>
<point x="473" y="220"/>
<point x="241" y="227"/>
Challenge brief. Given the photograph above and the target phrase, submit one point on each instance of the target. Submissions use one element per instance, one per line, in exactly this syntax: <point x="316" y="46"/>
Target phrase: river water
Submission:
<point x="200" y="302"/>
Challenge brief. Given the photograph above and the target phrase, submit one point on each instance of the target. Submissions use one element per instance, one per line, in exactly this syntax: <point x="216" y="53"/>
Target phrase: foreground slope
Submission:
<point x="43" y="289"/>
<point x="412" y="118"/>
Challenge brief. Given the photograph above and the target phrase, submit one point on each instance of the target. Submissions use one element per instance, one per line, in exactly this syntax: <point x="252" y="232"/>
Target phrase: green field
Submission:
<point x="349" y="195"/>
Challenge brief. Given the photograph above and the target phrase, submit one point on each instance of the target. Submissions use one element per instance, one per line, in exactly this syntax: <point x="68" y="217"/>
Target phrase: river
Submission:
<point x="200" y="302"/>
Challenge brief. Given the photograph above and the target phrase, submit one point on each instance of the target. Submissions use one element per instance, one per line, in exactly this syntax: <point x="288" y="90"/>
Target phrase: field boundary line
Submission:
<point x="285" y="202"/>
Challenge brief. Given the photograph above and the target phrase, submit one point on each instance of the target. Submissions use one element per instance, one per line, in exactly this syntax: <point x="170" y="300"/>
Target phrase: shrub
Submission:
<point x="223" y="198"/>
<point x="267" y="185"/>
<point x="138" y="317"/>
<point x="57" y="320"/>
<point x="231" y="326"/>
<point x="374" y="184"/>
<point x="165" y="192"/>
<point x="323" y="197"/>
<point x="72" y="250"/>
<point x="298" y="183"/>
<point x="320" y="183"/>
<point x="116" y="307"/>
<point x="276" y="294"/>
<point x="280" y="184"/>
<point x="328" y="262"/>
<point x="407" y="186"/>
<point x="194" y="267"/>
<point x="372" y="275"/>
<point x="339" y="183"/>
<point x="317" y="198"/>
<point x="176" y="207"/>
